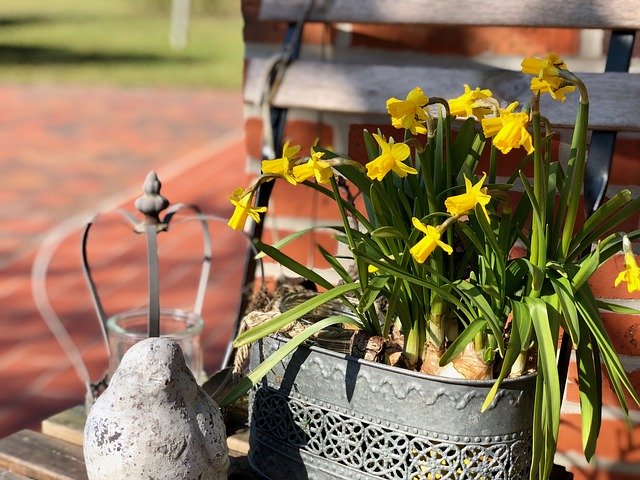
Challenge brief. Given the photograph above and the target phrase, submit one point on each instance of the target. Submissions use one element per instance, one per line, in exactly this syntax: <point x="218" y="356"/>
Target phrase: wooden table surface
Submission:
<point x="56" y="453"/>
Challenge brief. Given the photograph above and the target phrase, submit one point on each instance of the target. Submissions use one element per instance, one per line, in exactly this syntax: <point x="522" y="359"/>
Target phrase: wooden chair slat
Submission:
<point x="7" y="475"/>
<point x="606" y="14"/>
<point x="41" y="457"/>
<point x="364" y="89"/>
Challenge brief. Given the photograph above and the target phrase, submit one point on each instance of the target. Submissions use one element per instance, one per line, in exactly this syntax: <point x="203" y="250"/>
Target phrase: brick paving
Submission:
<point x="67" y="152"/>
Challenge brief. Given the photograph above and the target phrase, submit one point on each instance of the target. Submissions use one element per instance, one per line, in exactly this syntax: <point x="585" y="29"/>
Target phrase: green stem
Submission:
<point x="437" y="323"/>
<point x="413" y="343"/>
<point x="343" y="214"/>
<point x="576" y="168"/>
<point x="492" y="164"/>
<point x="517" y="369"/>
<point x="540" y="179"/>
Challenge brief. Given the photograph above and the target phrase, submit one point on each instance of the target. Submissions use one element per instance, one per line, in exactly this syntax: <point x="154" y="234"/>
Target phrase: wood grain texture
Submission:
<point x="7" y="475"/>
<point x="606" y="14"/>
<point x="41" y="457"/>
<point x="67" y="425"/>
<point x="364" y="90"/>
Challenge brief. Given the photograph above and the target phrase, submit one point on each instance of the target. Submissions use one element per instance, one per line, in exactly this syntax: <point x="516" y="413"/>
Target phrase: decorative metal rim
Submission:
<point x="388" y="368"/>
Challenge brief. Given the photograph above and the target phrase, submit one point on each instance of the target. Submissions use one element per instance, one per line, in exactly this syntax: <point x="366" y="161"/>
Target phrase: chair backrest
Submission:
<point x="358" y="86"/>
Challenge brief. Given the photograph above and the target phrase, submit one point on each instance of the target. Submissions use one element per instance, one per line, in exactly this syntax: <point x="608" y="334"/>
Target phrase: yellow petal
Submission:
<point x="400" y="151"/>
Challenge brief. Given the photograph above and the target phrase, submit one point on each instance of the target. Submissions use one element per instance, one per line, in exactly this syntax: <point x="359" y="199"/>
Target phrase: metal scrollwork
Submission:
<point x="338" y="445"/>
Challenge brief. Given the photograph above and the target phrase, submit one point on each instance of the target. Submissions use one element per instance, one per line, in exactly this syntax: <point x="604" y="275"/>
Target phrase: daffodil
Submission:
<point x="508" y="130"/>
<point x="556" y="89"/>
<point x="466" y="105"/>
<point x="392" y="158"/>
<point x="283" y="166"/>
<point x="547" y="78"/>
<point x="315" y="167"/>
<point x="242" y="201"/>
<point x="409" y="113"/>
<point x="631" y="272"/>
<point x="543" y="68"/>
<point x="421" y="250"/>
<point x="465" y="202"/>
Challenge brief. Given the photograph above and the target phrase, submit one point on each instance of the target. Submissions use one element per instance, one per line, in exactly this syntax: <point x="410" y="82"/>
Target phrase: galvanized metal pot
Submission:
<point x="324" y="415"/>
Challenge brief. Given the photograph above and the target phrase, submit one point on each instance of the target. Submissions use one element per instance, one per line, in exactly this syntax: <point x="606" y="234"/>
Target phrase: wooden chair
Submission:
<point x="356" y="88"/>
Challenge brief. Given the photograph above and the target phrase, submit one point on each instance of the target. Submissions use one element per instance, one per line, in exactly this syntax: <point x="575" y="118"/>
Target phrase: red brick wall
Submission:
<point x="618" y="453"/>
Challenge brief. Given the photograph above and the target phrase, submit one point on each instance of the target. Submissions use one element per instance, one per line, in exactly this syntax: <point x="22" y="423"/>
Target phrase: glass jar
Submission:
<point x="127" y="328"/>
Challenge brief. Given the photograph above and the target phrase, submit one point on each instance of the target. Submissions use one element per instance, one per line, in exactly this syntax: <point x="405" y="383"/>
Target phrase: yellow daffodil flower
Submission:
<point x="466" y="105"/>
<point x="546" y="73"/>
<point x="465" y="202"/>
<point x="242" y="201"/>
<point x="554" y="89"/>
<point x="315" y="167"/>
<point x="283" y="166"/>
<point x="421" y="250"/>
<point x="631" y="272"/>
<point x="409" y="113"/>
<point x="543" y="68"/>
<point x="392" y="157"/>
<point x="508" y="130"/>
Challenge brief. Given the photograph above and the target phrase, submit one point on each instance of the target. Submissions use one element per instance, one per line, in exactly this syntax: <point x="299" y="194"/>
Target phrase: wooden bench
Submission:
<point x="357" y="88"/>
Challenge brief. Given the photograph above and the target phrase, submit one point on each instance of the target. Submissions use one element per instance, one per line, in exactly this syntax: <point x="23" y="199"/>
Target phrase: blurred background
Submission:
<point x="93" y="96"/>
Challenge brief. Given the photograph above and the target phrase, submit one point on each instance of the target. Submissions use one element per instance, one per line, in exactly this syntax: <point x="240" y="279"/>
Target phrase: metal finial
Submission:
<point x="151" y="203"/>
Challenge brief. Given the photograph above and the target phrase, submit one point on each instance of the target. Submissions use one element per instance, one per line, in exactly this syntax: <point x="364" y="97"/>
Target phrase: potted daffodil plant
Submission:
<point x="461" y="274"/>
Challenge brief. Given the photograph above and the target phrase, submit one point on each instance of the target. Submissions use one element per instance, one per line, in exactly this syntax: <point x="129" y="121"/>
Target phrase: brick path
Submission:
<point x="68" y="152"/>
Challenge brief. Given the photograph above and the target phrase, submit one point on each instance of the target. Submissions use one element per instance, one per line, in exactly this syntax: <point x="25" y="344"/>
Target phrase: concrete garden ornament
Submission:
<point x="433" y="234"/>
<point x="155" y="422"/>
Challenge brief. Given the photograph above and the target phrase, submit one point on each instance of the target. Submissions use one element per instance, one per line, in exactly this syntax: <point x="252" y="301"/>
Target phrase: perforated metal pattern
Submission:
<point x="319" y="415"/>
<point x="370" y="450"/>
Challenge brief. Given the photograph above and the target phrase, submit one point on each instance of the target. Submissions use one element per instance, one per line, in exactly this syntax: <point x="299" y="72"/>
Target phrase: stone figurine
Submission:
<point x="154" y="421"/>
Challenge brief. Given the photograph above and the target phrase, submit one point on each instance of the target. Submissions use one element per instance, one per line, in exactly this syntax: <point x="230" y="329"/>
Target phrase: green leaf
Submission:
<point x="388" y="232"/>
<point x="256" y="375"/>
<point x="340" y="202"/>
<point x="584" y="237"/>
<point x="402" y="273"/>
<point x="564" y="291"/>
<point x="370" y="144"/>
<point x="590" y="384"/>
<point x="465" y="337"/>
<point x="372" y="292"/>
<point x="288" y="262"/>
<point x="588" y="266"/>
<point x="335" y="264"/>
<point x="615" y="308"/>
<point x="466" y="149"/>
<point x="280" y="321"/>
<point x="537" y="248"/>
<point x="490" y="236"/>
<point x="618" y="377"/>
<point x="476" y="298"/>
<point x="290" y="238"/>
<point x="547" y="346"/>
<point x="613" y="244"/>
<point x="518" y="342"/>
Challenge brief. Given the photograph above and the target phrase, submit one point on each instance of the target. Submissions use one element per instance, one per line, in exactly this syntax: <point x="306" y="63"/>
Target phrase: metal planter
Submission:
<point x="323" y="415"/>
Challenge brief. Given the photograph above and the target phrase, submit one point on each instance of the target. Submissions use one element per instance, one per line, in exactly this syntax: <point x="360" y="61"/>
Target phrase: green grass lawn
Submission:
<point x="119" y="42"/>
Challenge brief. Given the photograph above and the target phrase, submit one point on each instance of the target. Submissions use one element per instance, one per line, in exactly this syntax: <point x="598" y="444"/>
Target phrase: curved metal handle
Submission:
<point x="86" y="270"/>
<point x="207" y="247"/>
